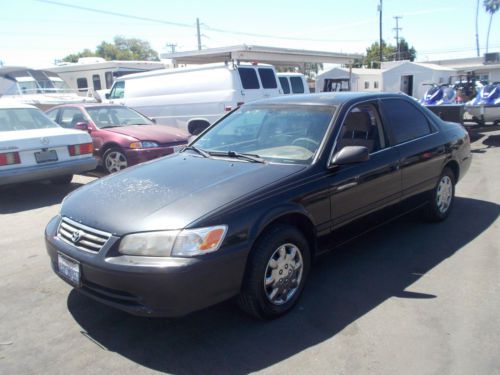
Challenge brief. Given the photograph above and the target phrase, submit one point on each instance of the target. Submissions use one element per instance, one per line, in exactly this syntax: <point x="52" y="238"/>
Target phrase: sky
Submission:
<point x="35" y="33"/>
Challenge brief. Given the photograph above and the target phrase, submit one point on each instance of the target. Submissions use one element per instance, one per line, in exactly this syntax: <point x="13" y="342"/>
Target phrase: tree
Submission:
<point x="372" y="58"/>
<point x="75" y="56"/>
<point x="491" y="6"/>
<point x="121" y="49"/>
<point x="405" y="51"/>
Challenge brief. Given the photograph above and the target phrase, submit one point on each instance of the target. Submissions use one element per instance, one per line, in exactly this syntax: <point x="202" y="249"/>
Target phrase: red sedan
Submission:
<point x="122" y="137"/>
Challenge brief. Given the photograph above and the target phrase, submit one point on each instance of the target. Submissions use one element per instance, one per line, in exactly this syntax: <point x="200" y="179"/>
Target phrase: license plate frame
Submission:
<point x="46" y="156"/>
<point x="69" y="269"/>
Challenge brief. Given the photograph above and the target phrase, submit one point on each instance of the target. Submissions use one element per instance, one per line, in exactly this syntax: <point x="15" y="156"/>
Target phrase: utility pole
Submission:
<point x="380" y="32"/>
<point x="477" y="33"/>
<point x="397" y="29"/>
<point x="172" y="47"/>
<point x="198" y="33"/>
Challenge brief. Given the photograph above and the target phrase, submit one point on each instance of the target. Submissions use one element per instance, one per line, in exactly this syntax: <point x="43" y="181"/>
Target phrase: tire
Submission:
<point x="62" y="180"/>
<point x="442" y="198"/>
<point x="114" y="160"/>
<point x="271" y="259"/>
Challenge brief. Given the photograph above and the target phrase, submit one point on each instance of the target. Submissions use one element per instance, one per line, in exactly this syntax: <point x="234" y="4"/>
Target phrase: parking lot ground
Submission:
<point x="407" y="298"/>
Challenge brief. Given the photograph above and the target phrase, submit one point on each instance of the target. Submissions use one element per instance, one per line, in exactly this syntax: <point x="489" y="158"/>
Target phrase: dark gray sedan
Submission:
<point x="244" y="209"/>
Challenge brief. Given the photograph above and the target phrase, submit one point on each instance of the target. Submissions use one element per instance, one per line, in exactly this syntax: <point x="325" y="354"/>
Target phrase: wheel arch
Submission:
<point x="455" y="168"/>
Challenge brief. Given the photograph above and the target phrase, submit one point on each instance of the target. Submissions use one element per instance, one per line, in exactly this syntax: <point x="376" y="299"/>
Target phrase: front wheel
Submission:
<point x="276" y="272"/>
<point x="442" y="197"/>
<point x="62" y="180"/>
<point x="114" y="160"/>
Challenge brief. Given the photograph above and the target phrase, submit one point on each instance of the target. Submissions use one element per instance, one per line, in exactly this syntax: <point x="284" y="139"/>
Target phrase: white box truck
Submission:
<point x="192" y="98"/>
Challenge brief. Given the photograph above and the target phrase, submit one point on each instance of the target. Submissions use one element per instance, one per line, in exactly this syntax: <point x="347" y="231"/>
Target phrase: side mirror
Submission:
<point x="350" y="155"/>
<point x="196" y="127"/>
<point x="82" y="126"/>
<point x="108" y="95"/>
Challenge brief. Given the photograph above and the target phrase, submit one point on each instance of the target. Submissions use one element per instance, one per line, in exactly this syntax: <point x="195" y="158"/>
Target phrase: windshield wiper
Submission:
<point x="198" y="150"/>
<point x="233" y="154"/>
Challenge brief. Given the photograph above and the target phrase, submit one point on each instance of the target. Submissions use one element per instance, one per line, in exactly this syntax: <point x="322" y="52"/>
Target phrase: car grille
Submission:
<point x="82" y="236"/>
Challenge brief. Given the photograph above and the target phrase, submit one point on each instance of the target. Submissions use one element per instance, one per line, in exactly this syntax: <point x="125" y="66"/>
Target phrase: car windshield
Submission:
<point x="12" y="119"/>
<point x="110" y="117"/>
<point x="281" y="134"/>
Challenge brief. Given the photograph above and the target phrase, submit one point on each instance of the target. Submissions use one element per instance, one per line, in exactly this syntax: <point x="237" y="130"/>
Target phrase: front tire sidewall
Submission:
<point x="253" y="287"/>
<point x="106" y="155"/>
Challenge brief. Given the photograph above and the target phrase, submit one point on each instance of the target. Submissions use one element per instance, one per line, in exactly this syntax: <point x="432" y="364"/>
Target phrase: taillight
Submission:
<point x="10" y="158"/>
<point x="81" y="149"/>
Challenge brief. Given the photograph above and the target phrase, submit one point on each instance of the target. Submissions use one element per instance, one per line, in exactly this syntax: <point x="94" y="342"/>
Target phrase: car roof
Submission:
<point x="86" y="105"/>
<point x="8" y="103"/>
<point x="326" y="98"/>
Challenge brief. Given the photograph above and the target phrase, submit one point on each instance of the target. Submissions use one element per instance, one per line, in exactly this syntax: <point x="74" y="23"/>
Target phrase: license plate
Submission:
<point x="178" y="148"/>
<point x="69" y="269"/>
<point x="46" y="156"/>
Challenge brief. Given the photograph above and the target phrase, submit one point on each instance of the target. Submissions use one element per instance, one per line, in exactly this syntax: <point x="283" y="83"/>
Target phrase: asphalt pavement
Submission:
<point x="408" y="298"/>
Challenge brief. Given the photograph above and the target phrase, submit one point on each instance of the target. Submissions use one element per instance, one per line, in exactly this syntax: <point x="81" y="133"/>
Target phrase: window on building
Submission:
<point x="367" y="85"/>
<point x="375" y="84"/>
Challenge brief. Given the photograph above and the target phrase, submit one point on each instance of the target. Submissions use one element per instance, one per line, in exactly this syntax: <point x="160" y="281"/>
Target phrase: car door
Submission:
<point x="419" y="145"/>
<point x="361" y="188"/>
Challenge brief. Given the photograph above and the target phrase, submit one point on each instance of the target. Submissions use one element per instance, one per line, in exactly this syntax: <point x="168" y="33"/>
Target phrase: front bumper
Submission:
<point x="45" y="172"/>
<point x="136" y="156"/>
<point x="151" y="286"/>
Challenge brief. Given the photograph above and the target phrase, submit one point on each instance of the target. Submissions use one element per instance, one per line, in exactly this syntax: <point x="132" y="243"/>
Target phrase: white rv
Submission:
<point x="293" y="83"/>
<point x="194" y="97"/>
<point x="94" y="75"/>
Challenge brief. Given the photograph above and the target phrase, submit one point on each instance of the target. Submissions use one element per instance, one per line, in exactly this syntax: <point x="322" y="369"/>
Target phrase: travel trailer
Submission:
<point x="192" y="98"/>
<point x="95" y="76"/>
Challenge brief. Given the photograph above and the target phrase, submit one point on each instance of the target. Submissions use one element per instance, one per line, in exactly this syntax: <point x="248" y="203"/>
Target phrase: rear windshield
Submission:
<point x="268" y="78"/>
<point x="297" y="85"/>
<point x="285" y="85"/>
<point x="249" y="78"/>
<point x="12" y="119"/>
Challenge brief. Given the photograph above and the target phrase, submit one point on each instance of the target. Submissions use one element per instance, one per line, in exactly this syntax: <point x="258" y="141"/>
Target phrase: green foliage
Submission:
<point x="121" y="49"/>
<point x="491" y="7"/>
<point x="389" y="53"/>
<point x="75" y="56"/>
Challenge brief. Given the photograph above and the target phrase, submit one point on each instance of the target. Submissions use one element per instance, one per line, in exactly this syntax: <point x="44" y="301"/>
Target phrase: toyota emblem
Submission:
<point x="76" y="236"/>
<point x="45" y="141"/>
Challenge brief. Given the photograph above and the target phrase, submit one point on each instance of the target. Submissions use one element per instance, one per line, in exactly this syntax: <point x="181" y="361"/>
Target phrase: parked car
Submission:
<point x="246" y="206"/>
<point x="122" y="137"/>
<point x="293" y="83"/>
<point x="194" y="97"/>
<point x="32" y="147"/>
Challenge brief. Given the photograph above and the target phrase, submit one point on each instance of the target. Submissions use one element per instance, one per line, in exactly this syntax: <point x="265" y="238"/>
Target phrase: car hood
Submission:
<point x="159" y="133"/>
<point x="169" y="193"/>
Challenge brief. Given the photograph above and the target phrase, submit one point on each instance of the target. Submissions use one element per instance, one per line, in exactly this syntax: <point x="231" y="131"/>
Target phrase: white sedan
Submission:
<point x="32" y="147"/>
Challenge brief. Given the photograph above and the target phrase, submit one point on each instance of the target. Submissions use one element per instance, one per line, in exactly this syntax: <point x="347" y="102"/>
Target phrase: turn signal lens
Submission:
<point x="10" y="158"/>
<point x="192" y="242"/>
<point x="81" y="149"/>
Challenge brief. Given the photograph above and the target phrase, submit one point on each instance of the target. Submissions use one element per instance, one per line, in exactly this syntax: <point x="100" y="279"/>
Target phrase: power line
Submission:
<point x="185" y="25"/>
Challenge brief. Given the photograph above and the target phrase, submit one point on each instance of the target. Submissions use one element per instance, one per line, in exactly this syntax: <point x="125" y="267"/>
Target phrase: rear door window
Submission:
<point x="406" y="121"/>
<point x="268" y="78"/>
<point x="285" y="85"/>
<point x="297" y="85"/>
<point x="70" y="117"/>
<point x="53" y="114"/>
<point x="249" y="78"/>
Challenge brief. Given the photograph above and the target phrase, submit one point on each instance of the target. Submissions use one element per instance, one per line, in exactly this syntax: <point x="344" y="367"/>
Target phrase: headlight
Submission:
<point x="143" y="144"/>
<point x="185" y="243"/>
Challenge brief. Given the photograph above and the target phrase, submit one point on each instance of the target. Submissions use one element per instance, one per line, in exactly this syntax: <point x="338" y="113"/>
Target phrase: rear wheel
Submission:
<point x="442" y="198"/>
<point x="62" y="180"/>
<point x="276" y="272"/>
<point x="114" y="160"/>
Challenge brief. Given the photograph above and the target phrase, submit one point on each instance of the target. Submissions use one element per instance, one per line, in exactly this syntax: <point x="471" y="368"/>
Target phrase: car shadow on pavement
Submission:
<point x="343" y="286"/>
<point x="28" y="196"/>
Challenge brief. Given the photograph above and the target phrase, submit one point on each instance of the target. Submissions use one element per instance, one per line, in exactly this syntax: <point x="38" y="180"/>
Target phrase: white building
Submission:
<point x="397" y="76"/>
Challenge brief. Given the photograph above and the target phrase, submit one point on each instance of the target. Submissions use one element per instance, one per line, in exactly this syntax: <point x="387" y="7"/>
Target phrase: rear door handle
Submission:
<point x="347" y="186"/>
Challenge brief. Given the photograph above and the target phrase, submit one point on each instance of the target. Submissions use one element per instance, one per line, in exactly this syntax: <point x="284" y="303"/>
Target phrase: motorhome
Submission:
<point x="95" y="76"/>
<point x="191" y="98"/>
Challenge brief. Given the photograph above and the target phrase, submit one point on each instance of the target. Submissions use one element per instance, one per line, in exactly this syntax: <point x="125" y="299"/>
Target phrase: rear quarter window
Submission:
<point x="268" y="78"/>
<point x="297" y="85"/>
<point x="249" y="78"/>
<point x="406" y="121"/>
